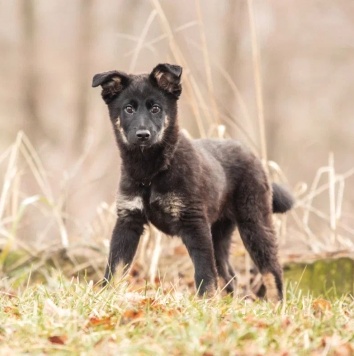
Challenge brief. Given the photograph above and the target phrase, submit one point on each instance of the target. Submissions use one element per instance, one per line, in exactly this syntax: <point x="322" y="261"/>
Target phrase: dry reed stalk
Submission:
<point x="332" y="199"/>
<point x="315" y="192"/>
<point x="157" y="235"/>
<point x="202" y="104"/>
<point x="335" y="186"/>
<point x="150" y="44"/>
<point x="39" y="173"/>
<point x="259" y="94"/>
<point x="11" y="186"/>
<point x="207" y="67"/>
<point x="179" y="58"/>
<point x="225" y="118"/>
<point x="310" y="239"/>
<point x="10" y="173"/>
<point x="258" y="82"/>
<point x="141" y="40"/>
<point x="245" y="112"/>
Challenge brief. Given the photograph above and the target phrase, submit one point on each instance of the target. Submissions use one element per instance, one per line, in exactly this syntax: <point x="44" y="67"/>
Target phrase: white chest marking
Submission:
<point x="126" y="204"/>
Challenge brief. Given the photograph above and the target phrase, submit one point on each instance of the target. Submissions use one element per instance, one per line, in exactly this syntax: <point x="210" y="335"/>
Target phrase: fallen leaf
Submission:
<point x="148" y="302"/>
<point x="258" y="323"/>
<point x="285" y="322"/>
<point x="107" y="322"/>
<point x="173" y="312"/>
<point x="13" y="311"/>
<point x="133" y="314"/>
<point x="58" y="339"/>
<point x="321" y="305"/>
<point x="157" y="280"/>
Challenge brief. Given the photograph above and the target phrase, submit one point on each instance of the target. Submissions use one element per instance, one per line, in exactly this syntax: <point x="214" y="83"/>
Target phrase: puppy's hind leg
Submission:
<point x="221" y="232"/>
<point x="257" y="233"/>
<point x="261" y="245"/>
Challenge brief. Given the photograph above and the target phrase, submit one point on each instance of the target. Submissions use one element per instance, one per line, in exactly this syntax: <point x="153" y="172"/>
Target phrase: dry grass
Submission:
<point x="68" y="316"/>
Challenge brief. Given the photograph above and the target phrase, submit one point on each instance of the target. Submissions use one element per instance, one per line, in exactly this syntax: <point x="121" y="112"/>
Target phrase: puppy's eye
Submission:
<point x="155" y="109"/>
<point x="129" y="109"/>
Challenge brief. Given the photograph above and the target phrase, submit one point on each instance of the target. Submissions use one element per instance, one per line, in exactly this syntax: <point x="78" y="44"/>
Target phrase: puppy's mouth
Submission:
<point x="143" y="143"/>
<point x="144" y="146"/>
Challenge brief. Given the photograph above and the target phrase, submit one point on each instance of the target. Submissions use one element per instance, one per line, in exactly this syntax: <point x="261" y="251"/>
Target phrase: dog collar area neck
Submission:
<point x="146" y="182"/>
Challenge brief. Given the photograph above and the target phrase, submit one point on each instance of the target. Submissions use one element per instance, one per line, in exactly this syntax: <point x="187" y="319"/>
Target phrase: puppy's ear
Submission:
<point x="168" y="78"/>
<point x="112" y="83"/>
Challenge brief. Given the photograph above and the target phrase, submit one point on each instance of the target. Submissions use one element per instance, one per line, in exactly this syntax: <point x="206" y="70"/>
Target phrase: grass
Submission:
<point x="69" y="316"/>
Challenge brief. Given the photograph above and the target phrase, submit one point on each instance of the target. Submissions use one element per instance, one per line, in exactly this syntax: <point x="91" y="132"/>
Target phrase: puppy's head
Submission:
<point x="141" y="107"/>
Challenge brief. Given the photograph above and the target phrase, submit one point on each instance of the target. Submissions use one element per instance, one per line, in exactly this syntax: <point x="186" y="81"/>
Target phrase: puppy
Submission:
<point x="199" y="190"/>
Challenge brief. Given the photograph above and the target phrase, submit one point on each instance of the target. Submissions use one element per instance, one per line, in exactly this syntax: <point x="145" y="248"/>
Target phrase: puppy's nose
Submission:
<point x="143" y="135"/>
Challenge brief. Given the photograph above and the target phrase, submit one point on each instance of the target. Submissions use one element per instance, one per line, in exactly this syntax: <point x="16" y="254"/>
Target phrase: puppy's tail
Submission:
<point x="282" y="199"/>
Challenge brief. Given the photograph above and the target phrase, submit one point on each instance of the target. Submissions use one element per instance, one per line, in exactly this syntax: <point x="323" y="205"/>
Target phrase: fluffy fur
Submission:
<point x="199" y="190"/>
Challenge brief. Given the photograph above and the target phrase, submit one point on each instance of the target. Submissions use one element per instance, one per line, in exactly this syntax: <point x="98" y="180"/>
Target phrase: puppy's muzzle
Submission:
<point x="143" y="135"/>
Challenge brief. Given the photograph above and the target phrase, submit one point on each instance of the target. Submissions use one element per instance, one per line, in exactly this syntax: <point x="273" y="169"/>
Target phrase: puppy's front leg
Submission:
<point x="124" y="243"/>
<point x="197" y="239"/>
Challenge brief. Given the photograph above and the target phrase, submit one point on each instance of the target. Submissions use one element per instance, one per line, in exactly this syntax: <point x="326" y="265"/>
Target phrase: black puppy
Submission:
<point x="199" y="190"/>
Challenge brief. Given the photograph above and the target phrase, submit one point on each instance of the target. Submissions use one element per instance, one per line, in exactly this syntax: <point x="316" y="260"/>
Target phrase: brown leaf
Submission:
<point x="58" y="339"/>
<point x="133" y="314"/>
<point x="157" y="280"/>
<point x="172" y="312"/>
<point x="152" y="304"/>
<point x="106" y="322"/>
<point x="148" y="302"/>
<point x="321" y="305"/>
<point x="13" y="311"/>
<point x="258" y="323"/>
<point x="285" y="322"/>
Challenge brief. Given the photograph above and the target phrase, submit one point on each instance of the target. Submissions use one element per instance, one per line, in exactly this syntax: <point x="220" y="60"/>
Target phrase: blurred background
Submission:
<point x="285" y="66"/>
